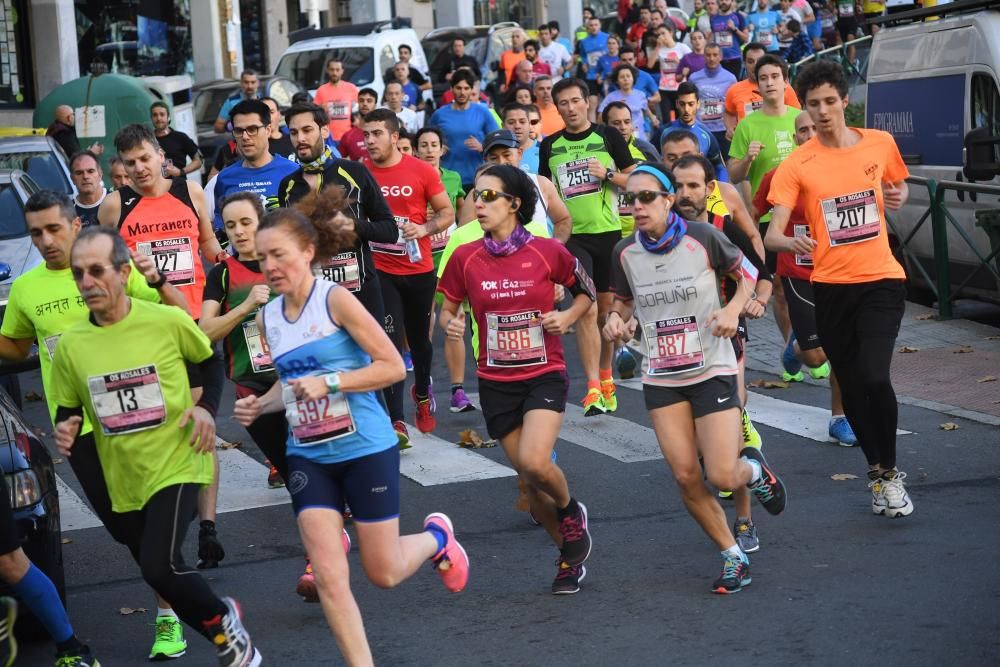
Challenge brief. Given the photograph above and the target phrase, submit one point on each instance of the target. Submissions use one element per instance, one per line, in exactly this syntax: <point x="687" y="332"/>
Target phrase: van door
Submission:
<point x="984" y="111"/>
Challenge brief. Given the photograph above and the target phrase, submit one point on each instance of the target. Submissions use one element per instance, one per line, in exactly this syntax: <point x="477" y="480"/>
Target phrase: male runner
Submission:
<point x="337" y="97"/>
<point x="249" y="90"/>
<point x="85" y="171"/>
<point x="586" y="162"/>
<point x="713" y="82"/>
<point x="847" y="178"/>
<point x="516" y="119"/>
<point x="686" y="105"/>
<point x="183" y="156"/>
<point x="743" y="97"/>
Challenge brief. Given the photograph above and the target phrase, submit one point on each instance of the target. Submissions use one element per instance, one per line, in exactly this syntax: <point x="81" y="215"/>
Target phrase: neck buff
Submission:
<point x="316" y="166"/>
<point x="676" y="225"/>
<point x="517" y="239"/>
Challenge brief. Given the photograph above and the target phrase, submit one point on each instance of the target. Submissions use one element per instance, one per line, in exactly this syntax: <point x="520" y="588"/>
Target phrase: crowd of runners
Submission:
<point x="651" y="200"/>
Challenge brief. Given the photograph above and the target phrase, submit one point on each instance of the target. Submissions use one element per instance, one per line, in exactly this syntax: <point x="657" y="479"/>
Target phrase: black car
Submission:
<point x="485" y="43"/>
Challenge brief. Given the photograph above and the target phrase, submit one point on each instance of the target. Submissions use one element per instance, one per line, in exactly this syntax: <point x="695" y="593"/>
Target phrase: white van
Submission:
<point x="931" y="83"/>
<point x="367" y="51"/>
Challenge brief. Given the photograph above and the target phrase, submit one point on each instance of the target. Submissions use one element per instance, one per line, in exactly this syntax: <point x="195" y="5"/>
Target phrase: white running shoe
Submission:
<point x="879" y="502"/>
<point x="897" y="500"/>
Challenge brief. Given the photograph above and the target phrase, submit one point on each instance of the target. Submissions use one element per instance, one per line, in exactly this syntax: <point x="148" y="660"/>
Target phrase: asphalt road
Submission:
<point x="832" y="584"/>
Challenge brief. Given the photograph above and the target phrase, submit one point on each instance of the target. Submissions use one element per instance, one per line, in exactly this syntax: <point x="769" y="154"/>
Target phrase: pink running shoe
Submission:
<point x="452" y="563"/>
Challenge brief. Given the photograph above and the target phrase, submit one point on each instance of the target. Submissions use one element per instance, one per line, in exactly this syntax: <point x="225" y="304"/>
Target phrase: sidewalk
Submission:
<point x="936" y="376"/>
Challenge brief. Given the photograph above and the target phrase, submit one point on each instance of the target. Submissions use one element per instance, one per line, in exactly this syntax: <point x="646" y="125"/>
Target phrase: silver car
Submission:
<point x="41" y="158"/>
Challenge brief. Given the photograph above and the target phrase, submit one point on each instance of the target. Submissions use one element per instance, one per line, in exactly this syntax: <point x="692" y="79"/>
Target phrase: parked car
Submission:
<point x="41" y="158"/>
<point x="31" y="480"/>
<point x="366" y="49"/>
<point x="485" y="43"/>
<point x="209" y="98"/>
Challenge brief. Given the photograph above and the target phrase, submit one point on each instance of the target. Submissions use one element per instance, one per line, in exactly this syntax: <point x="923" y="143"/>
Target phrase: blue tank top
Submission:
<point x="337" y="427"/>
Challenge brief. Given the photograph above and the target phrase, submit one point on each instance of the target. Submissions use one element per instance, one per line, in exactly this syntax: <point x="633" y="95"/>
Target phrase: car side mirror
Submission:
<point x="5" y="271"/>
<point x="980" y="154"/>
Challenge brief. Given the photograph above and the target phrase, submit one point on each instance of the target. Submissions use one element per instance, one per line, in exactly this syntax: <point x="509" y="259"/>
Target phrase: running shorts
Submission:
<point x="594" y="88"/>
<point x="505" y="403"/>
<point x="712" y="395"/>
<point x="368" y="484"/>
<point x="802" y="311"/>
<point x="594" y="252"/>
<point x="848" y="28"/>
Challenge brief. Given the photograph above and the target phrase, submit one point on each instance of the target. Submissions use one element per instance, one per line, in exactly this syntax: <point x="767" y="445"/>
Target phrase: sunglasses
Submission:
<point x="535" y="121"/>
<point x="490" y="196"/>
<point x="644" y="196"/>
<point x="95" y="271"/>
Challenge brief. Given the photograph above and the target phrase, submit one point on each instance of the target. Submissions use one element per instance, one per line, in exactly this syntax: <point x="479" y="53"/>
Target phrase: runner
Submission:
<point x="795" y="272"/>
<point x="522" y="375"/>
<point x="406" y="268"/>
<point x="332" y="356"/>
<point x="124" y="368"/>
<point x="336" y="97"/>
<point x="589" y="51"/>
<point x="730" y="32"/>
<point x="713" y="83"/>
<point x="588" y="161"/>
<point x="517" y="119"/>
<point x="669" y="275"/>
<point x="117" y="174"/>
<point x="687" y="105"/>
<point x="848" y="178"/>
<point x="464" y="122"/>
<point x="743" y="97"/>
<point x="85" y="172"/>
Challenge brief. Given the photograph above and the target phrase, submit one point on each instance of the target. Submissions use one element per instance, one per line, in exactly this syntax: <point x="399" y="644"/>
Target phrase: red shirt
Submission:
<point x="352" y="144"/>
<point x="408" y="187"/>
<point x="508" y="295"/>
<point x="636" y="32"/>
<point x="789" y="264"/>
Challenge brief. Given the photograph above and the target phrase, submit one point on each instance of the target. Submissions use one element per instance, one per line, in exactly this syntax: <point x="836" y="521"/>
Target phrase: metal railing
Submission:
<point x="939" y="215"/>
<point x="852" y="68"/>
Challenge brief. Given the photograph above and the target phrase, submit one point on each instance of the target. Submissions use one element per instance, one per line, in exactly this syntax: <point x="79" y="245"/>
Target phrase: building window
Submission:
<point x="135" y="37"/>
<point x="16" y="84"/>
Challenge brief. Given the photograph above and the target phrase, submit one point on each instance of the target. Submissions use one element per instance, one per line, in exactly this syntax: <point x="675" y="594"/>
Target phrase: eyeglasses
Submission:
<point x="644" y="196"/>
<point x="489" y="196"/>
<point x="95" y="271"/>
<point x="250" y="130"/>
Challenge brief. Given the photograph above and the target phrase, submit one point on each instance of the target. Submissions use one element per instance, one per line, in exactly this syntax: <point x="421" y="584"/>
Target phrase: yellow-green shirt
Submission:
<point x="131" y="380"/>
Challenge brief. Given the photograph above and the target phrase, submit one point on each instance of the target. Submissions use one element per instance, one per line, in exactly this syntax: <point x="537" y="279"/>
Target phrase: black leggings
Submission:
<point x="408" y="300"/>
<point x="857" y="325"/>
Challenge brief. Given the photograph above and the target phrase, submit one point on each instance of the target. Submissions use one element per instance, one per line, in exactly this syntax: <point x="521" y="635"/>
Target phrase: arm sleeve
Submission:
<point x="715" y="157"/>
<point x="618" y="148"/>
<point x="452" y="283"/>
<point x="573" y="276"/>
<point x="217" y="283"/>
<point x="379" y="225"/>
<point x="619" y="279"/>
<point x="213" y="378"/>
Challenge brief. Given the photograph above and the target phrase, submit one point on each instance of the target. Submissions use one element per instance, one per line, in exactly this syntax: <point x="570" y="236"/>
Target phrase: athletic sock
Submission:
<point x="571" y="509"/>
<point x="873" y="473"/>
<point x="160" y="611"/>
<point x="37" y="591"/>
<point x="755" y="473"/>
<point x="605" y="374"/>
<point x="438" y="533"/>
<point x="734" y="552"/>
<point x="593" y="384"/>
<point x="456" y="387"/>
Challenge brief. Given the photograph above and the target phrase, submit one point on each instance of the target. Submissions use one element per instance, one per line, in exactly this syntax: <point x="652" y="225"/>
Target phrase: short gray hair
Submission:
<point x="120" y="254"/>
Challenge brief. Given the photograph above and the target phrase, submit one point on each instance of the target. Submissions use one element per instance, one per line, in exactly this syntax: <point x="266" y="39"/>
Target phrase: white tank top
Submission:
<point x="541" y="210"/>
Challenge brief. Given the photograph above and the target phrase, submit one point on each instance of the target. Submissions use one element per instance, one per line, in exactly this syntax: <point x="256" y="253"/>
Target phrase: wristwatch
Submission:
<point x="608" y="174"/>
<point x="332" y="382"/>
<point x="160" y="282"/>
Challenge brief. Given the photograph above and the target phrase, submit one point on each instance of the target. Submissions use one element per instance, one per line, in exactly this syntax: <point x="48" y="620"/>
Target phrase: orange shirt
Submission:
<point x="841" y="193"/>
<point x="508" y="61"/>
<point x="337" y="101"/>
<point x="552" y="122"/>
<point x="743" y="97"/>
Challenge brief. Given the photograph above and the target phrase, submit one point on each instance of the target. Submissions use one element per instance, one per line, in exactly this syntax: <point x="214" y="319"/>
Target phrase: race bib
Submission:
<point x="594" y="57"/>
<point x="668" y="81"/>
<point x="515" y="339"/>
<point x="711" y="109"/>
<point x="174" y="258"/>
<point x="802" y="260"/>
<point x="765" y="38"/>
<point x="852" y="218"/>
<point x="128" y="401"/>
<point x="724" y="39"/>
<point x="575" y="179"/>
<point x="343" y="269"/>
<point x="257" y="348"/>
<point x="338" y="111"/>
<point x="750" y="107"/>
<point x="440" y="240"/>
<point x="845" y="9"/>
<point x="317" y="421"/>
<point x="623" y="208"/>
<point x="826" y="23"/>
<point x="673" y="345"/>
<point x="50" y="345"/>
<point x="397" y="248"/>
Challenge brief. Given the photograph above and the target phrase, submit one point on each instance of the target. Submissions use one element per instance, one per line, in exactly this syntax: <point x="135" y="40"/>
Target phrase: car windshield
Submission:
<point x="42" y="166"/>
<point x="12" y="223"/>
<point x="308" y="68"/>
<point x="438" y="51"/>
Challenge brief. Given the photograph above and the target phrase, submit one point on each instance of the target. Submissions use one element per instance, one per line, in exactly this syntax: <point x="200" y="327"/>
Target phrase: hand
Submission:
<point x="725" y="323"/>
<point x="654" y="121"/>
<point x="754" y="309"/>
<point x="802" y="245"/>
<point x="173" y="170"/>
<point x="473" y="144"/>
<point x="615" y="329"/>
<point x="309" y="387"/>
<point x="556" y="322"/>
<point x="730" y="24"/>
<point x="456" y="326"/>
<point x="146" y="266"/>
<point x="892" y="196"/>
<point x="65" y="434"/>
<point x="729" y="133"/>
<point x="203" y="428"/>
<point x="259" y="295"/>
<point x="96" y="148"/>
<point x="596" y="169"/>
<point x="246" y="410"/>
<point x="559" y="293"/>
<point x="413" y="231"/>
<point x="630" y="328"/>
<point x="753" y="150"/>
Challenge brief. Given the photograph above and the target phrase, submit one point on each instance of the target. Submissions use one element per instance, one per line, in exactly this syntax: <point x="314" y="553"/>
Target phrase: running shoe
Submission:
<point x="8" y="644"/>
<point x="169" y="642"/>
<point x="625" y="363"/>
<point x="735" y="575"/>
<point x="820" y="372"/>
<point x="791" y="366"/>
<point x="751" y="438"/>
<point x="231" y="640"/>
<point x="746" y="535"/>
<point x="408" y="361"/>
<point x="274" y="480"/>
<point x="841" y="432"/>
<point x="306" y="586"/>
<point x="725" y="495"/>
<point x="609" y="395"/>
<point x="460" y="402"/>
<point x="897" y="500"/>
<point x="879" y="503"/>
<point x="210" y="551"/>
<point x="426" y="407"/>
<point x="451" y="562"/>
<point x="576" y="536"/>
<point x="593" y="403"/>
<point x="568" y="578"/>
<point x="77" y="657"/>
<point x="769" y="489"/>
<point x="399" y="426"/>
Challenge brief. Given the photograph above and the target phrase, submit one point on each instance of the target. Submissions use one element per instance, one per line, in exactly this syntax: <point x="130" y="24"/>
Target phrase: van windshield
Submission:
<point x="308" y="68"/>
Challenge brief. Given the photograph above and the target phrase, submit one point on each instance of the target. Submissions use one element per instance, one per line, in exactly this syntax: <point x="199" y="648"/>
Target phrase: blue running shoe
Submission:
<point x="408" y="361"/>
<point x="792" y="366"/>
<point x="625" y="363"/>
<point x="841" y="432"/>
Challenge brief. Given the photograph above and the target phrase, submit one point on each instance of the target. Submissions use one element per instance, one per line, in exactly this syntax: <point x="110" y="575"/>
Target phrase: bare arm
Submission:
<point x="444" y="214"/>
<point x="15" y="349"/>
<point x="219" y="126"/>
<point x="110" y="210"/>
<point x="467" y="212"/>
<point x="730" y="120"/>
<point x="209" y="245"/>
<point x="562" y="223"/>
<point x="194" y="165"/>
<point x="775" y="239"/>
<point x="169" y="295"/>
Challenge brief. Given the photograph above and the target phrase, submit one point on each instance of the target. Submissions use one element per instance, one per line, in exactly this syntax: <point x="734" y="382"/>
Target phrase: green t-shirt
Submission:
<point x="776" y="133"/>
<point x="43" y="304"/>
<point x="131" y="380"/>
<point x="452" y="186"/>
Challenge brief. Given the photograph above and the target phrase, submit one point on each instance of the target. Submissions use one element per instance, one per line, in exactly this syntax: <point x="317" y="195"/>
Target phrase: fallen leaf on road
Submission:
<point x="769" y="384"/>
<point x="66" y="540"/>
<point x="925" y="316"/>
<point x="992" y="338"/>
<point x="229" y="445"/>
<point x="988" y="378"/>
<point x="843" y="476"/>
<point x="949" y="426"/>
<point x="906" y="349"/>
<point x="126" y="611"/>
<point x="472" y="440"/>
<point x="33" y="396"/>
<point x="965" y="349"/>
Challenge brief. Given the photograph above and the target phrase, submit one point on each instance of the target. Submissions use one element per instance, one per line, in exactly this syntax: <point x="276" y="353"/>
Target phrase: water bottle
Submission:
<point x="413" y="250"/>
